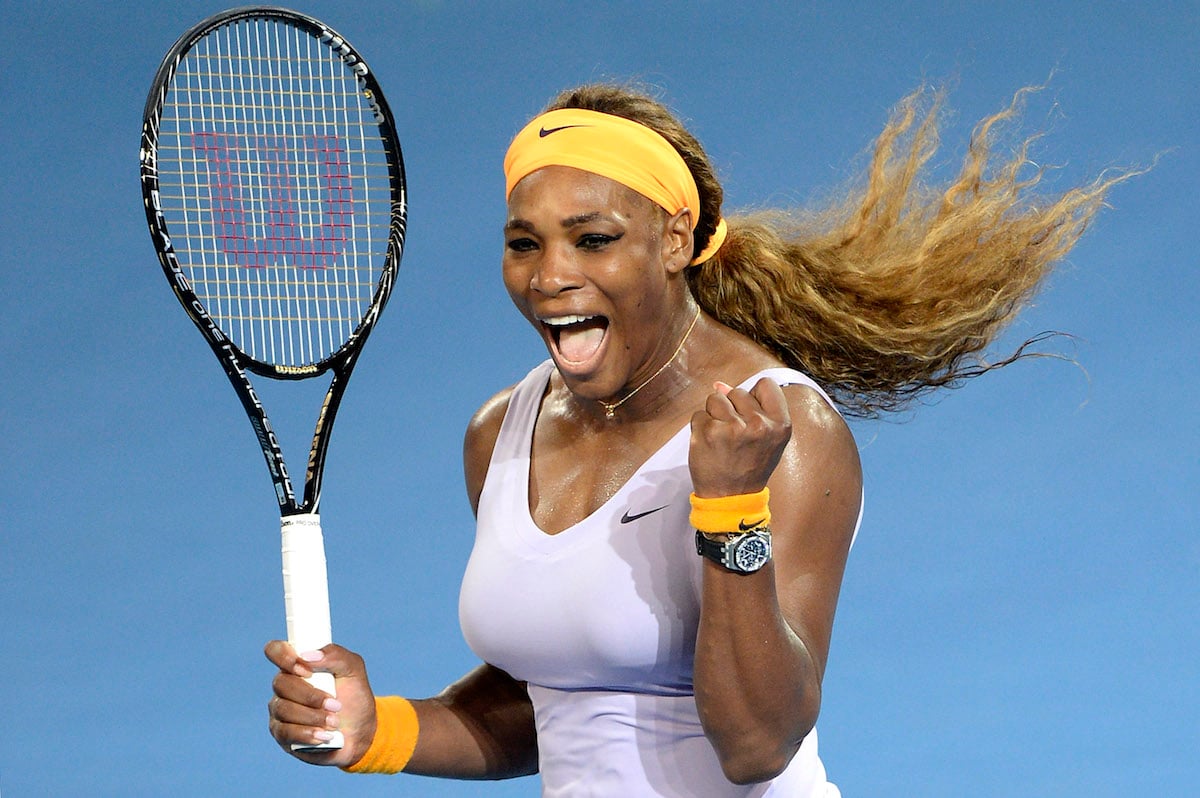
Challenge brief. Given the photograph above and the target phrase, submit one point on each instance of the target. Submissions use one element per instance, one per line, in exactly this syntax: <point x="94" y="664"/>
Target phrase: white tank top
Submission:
<point x="600" y="620"/>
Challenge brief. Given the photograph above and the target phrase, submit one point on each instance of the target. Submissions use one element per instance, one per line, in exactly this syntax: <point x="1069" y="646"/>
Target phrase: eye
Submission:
<point x="521" y="244"/>
<point x="595" y="241"/>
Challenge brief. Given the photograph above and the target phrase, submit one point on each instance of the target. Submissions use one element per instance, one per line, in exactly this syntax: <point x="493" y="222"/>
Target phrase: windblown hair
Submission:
<point x="896" y="290"/>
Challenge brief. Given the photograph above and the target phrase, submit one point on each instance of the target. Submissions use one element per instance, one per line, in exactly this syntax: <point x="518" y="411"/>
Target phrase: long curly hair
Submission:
<point x="895" y="290"/>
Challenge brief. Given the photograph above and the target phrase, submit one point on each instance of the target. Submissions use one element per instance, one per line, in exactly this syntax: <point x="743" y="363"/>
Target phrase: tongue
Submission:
<point x="579" y="342"/>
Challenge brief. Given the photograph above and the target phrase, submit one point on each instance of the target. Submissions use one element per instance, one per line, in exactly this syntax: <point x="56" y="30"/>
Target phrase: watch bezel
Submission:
<point x="753" y="544"/>
<point x="730" y="553"/>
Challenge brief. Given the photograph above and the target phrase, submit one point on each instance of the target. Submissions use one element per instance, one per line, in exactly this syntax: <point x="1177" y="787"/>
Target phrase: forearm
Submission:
<point x="763" y="637"/>
<point x="481" y="727"/>
<point x="757" y="686"/>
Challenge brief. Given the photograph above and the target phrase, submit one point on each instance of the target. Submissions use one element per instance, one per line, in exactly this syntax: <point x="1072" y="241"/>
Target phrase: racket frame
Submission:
<point x="234" y="361"/>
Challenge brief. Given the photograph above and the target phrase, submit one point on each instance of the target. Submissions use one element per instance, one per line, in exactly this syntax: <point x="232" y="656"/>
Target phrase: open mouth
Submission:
<point x="576" y="339"/>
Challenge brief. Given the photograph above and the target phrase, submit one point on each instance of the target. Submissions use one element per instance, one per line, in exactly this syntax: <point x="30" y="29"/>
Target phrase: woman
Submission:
<point x="666" y="505"/>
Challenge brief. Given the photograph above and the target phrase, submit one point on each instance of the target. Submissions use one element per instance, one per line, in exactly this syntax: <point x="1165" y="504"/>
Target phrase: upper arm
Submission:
<point x="479" y="441"/>
<point x="816" y="496"/>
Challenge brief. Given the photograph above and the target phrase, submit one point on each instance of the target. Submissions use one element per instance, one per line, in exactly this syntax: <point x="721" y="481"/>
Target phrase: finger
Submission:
<point x="287" y="734"/>
<point x="744" y="410"/>
<point x="283" y="656"/>
<point x="718" y="405"/>
<point x="280" y="653"/>
<point x="297" y="689"/>
<point x="771" y="399"/>
<point x="743" y="403"/>
<point x="285" y="711"/>
<point x="762" y="407"/>
<point x="341" y="662"/>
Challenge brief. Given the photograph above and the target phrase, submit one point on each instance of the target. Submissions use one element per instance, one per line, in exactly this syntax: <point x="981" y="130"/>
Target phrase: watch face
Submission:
<point x="752" y="553"/>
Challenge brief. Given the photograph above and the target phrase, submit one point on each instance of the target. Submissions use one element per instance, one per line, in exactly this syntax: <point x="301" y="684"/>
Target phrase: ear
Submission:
<point x="677" y="241"/>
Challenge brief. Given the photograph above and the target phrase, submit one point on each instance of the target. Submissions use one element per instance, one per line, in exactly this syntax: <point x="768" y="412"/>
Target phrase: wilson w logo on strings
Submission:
<point x="278" y="200"/>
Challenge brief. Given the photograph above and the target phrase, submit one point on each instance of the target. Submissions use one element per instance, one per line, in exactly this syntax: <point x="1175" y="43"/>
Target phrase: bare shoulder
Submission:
<point x="488" y="417"/>
<point x="813" y="414"/>
<point x="821" y="438"/>
<point x="479" y="441"/>
<point x="816" y="491"/>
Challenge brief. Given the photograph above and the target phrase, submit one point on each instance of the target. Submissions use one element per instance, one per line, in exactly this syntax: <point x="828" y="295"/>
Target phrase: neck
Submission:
<point x="610" y="408"/>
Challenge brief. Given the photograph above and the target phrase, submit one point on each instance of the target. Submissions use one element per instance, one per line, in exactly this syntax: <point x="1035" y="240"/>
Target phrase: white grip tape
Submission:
<point x="306" y="597"/>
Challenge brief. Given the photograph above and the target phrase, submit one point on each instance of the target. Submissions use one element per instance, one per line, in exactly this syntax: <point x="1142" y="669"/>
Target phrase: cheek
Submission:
<point x="643" y="286"/>
<point x="516" y="282"/>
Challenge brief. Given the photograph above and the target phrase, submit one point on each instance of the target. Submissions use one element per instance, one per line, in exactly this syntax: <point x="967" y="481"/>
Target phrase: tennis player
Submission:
<point x="665" y="505"/>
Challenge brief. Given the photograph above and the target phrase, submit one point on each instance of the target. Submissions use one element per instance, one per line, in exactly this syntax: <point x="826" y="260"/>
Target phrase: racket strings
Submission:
<point x="275" y="184"/>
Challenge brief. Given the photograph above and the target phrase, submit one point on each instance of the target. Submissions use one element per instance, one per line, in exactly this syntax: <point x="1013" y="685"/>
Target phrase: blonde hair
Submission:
<point x="895" y="290"/>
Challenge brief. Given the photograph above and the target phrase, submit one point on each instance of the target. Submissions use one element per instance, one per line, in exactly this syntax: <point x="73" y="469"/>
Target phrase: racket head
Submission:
<point x="274" y="189"/>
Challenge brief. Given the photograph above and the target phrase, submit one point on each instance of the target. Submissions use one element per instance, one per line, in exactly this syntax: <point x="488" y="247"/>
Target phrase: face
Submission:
<point x="598" y="270"/>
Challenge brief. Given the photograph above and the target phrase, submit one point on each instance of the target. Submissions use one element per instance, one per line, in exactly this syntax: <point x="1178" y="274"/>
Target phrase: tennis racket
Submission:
<point x="274" y="191"/>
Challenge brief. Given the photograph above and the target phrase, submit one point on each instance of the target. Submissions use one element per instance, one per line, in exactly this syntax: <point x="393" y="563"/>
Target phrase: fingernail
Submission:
<point x="312" y="656"/>
<point x="323" y="736"/>
<point x="332" y="721"/>
<point x="332" y="705"/>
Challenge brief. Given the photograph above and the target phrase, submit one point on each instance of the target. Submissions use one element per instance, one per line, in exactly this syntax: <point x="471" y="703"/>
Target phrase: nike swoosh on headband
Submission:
<point x="543" y="132"/>
<point x="627" y="518"/>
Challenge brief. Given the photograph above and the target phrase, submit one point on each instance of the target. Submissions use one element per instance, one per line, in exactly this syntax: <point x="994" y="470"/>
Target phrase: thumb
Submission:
<point x="332" y="658"/>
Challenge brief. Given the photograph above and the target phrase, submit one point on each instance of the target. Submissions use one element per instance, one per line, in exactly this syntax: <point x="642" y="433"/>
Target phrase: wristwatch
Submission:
<point x="740" y="552"/>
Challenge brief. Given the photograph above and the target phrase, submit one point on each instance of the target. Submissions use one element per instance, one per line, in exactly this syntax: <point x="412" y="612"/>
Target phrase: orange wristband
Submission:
<point x="731" y="513"/>
<point x="395" y="737"/>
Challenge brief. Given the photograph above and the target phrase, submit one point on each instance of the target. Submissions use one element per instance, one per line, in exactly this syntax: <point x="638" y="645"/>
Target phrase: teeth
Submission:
<point x="563" y="321"/>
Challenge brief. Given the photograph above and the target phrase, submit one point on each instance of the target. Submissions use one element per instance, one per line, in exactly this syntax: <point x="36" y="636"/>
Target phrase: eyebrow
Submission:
<point x="518" y="224"/>
<point x="567" y="223"/>
<point x="583" y="218"/>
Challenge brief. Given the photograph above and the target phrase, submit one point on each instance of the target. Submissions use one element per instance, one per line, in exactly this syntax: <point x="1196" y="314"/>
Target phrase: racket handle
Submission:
<point x="306" y="600"/>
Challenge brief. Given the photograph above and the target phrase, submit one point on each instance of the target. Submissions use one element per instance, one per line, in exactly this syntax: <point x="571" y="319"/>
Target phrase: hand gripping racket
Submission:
<point x="274" y="191"/>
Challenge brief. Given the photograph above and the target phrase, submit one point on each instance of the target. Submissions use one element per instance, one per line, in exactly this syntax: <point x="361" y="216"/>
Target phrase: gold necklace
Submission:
<point x="610" y="408"/>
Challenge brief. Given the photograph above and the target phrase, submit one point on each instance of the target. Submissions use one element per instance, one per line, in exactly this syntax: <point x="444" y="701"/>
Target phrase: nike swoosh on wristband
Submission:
<point x="627" y="518"/>
<point x="547" y="131"/>
<point x="744" y="527"/>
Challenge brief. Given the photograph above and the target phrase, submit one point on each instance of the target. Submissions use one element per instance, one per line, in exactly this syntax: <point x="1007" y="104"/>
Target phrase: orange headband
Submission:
<point x="613" y="147"/>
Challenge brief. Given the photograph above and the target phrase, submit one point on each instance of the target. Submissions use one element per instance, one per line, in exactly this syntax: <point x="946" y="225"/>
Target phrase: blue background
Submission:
<point x="1019" y="616"/>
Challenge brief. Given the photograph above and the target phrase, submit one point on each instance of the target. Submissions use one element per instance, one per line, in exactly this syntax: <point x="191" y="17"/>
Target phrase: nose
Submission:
<point x="556" y="272"/>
